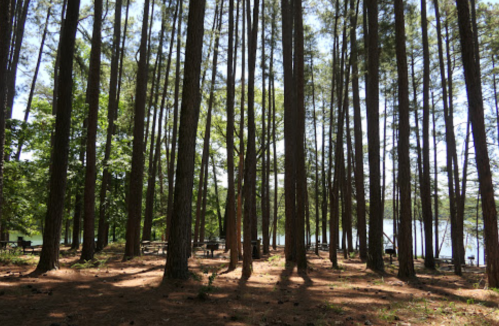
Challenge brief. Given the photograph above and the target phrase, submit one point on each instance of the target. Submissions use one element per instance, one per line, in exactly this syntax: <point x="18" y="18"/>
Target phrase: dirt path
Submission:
<point x="131" y="293"/>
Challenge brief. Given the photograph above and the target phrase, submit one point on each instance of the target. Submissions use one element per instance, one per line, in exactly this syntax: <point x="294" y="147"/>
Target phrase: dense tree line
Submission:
<point x="300" y="108"/>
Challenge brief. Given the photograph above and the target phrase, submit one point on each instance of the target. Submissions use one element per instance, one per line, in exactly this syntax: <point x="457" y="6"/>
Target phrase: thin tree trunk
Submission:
<point x="154" y="151"/>
<point x="435" y="151"/>
<point x="250" y="162"/>
<point x="132" y="247"/>
<point x="316" y="163"/>
<point x="203" y="214"/>
<point x="276" y="174"/>
<point x="301" y="177"/>
<point x="111" y="114"/>
<point x="17" y="38"/>
<point x="93" y="90"/>
<point x="241" y="136"/>
<point x="207" y="133"/>
<point x="231" y="195"/>
<point x="359" y="154"/>
<point x="495" y="95"/>
<point x="217" y="198"/>
<point x="264" y="185"/>
<point x="33" y="83"/>
<point x="289" y="125"/>
<point x="429" y="261"/>
<point x="171" y="168"/>
<point x="452" y="170"/>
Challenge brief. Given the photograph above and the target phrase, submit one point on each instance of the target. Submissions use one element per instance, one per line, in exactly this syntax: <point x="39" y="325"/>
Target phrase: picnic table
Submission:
<point x="154" y="247"/>
<point x="209" y="246"/>
<point x="444" y="259"/>
<point x="14" y="245"/>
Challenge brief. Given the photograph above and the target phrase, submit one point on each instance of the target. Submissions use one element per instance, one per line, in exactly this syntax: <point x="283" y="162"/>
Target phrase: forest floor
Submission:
<point x="109" y="291"/>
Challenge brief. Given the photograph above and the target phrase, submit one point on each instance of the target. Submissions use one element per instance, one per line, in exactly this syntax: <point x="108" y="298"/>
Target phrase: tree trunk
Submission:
<point x="250" y="162"/>
<point x="276" y="178"/>
<point x="231" y="194"/>
<point x="301" y="177"/>
<point x="171" y="168"/>
<point x="132" y="247"/>
<point x="316" y="163"/>
<point x="359" y="153"/>
<point x="375" y="258"/>
<point x="452" y="171"/>
<point x="429" y="261"/>
<point x="179" y="239"/>
<point x="476" y="111"/>
<point x="289" y="130"/>
<point x="6" y="15"/>
<point x="49" y="257"/>
<point x="15" y="53"/>
<point x="112" y="109"/>
<point x="435" y="150"/>
<point x="207" y="133"/>
<point x="33" y="83"/>
<point x="217" y="199"/>
<point x="264" y="185"/>
<point x="154" y="151"/>
<point x="203" y="214"/>
<point x="93" y="90"/>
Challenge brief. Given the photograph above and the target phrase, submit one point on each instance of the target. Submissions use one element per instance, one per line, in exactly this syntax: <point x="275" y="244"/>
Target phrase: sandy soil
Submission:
<point x="132" y="293"/>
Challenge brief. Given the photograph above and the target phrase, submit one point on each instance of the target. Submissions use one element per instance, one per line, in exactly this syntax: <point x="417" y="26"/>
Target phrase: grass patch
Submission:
<point x="15" y="258"/>
<point x="93" y="263"/>
<point x="274" y="260"/>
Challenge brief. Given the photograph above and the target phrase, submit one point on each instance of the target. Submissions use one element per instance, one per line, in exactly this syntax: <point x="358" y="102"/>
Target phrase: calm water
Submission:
<point x="469" y="241"/>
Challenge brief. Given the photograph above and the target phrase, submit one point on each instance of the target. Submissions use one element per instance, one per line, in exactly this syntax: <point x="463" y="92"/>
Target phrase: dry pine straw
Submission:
<point x="132" y="293"/>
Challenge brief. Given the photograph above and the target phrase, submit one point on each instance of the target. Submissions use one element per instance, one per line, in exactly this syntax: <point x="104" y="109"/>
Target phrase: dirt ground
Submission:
<point x="112" y="292"/>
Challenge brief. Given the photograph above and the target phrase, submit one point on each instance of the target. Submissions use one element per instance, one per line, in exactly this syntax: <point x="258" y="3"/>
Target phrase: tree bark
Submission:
<point x="406" y="263"/>
<point x="18" y="37"/>
<point x="171" y="168"/>
<point x="49" y="257"/>
<point x="375" y="258"/>
<point x="301" y="177"/>
<point x="156" y="149"/>
<point x="132" y="247"/>
<point x="6" y="15"/>
<point x="250" y="162"/>
<point x="33" y="83"/>
<point x="207" y="132"/>
<point x="93" y="90"/>
<point x="179" y="239"/>
<point x="289" y="130"/>
<point x="112" y="109"/>
<point x="429" y="261"/>
<point x="231" y="194"/>
<point x="359" y="153"/>
<point x="476" y="111"/>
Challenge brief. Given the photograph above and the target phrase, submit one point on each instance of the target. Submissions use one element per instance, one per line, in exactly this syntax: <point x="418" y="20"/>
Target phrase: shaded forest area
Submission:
<point x="248" y="121"/>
